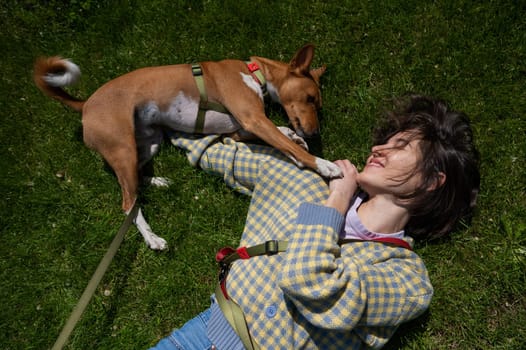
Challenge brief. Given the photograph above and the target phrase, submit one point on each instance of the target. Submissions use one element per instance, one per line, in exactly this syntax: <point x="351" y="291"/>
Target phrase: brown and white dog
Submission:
<point x="123" y="120"/>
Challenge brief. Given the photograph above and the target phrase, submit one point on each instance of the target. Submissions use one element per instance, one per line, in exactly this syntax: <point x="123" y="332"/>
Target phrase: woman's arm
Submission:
<point x="236" y="162"/>
<point x="374" y="285"/>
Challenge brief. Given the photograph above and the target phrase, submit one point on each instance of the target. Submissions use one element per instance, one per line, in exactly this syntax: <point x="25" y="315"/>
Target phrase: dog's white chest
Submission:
<point x="181" y="115"/>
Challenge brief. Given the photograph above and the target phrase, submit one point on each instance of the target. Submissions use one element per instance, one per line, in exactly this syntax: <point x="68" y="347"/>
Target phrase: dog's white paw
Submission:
<point x="158" y="181"/>
<point x="156" y="243"/>
<point x="293" y="136"/>
<point x="152" y="240"/>
<point x="328" y="169"/>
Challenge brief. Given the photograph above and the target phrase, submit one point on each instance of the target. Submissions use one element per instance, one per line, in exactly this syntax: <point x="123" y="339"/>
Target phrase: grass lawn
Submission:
<point x="60" y="204"/>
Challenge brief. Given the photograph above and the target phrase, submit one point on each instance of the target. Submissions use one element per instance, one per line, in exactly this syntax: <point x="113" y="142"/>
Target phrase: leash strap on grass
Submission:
<point x="95" y="280"/>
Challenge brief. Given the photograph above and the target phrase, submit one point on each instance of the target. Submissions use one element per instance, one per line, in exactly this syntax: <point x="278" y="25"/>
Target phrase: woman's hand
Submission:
<point x="342" y="189"/>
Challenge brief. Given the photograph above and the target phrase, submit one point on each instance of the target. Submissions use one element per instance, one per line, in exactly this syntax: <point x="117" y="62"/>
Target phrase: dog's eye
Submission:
<point x="311" y="99"/>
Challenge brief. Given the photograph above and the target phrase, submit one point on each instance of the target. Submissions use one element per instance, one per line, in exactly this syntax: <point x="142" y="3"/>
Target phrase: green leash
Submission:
<point x="95" y="280"/>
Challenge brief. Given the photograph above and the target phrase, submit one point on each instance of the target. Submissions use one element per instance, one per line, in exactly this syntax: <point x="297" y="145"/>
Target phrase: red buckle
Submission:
<point x="243" y="253"/>
<point x="223" y="253"/>
<point x="252" y="67"/>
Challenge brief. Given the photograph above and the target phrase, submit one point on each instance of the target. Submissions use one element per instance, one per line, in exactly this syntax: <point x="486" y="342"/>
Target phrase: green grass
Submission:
<point x="60" y="205"/>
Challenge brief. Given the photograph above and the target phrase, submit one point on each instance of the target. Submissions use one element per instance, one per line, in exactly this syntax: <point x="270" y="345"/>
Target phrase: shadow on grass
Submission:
<point x="408" y="331"/>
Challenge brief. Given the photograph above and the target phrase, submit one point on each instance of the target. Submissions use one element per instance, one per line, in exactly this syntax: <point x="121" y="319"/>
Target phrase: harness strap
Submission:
<point x="233" y="312"/>
<point x="387" y="240"/>
<point x="236" y="318"/>
<point x="254" y="69"/>
<point x="227" y="255"/>
<point x="205" y="105"/>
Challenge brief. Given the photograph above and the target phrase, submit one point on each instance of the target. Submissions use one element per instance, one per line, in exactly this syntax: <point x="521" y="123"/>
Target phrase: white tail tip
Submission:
<point x="69" y="76"/>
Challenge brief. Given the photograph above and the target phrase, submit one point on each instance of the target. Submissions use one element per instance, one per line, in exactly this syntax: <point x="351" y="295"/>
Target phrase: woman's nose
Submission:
<point x="377" y="150"/>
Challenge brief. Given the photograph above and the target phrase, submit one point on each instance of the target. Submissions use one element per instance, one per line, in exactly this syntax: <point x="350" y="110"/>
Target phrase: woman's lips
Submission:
<point x="375" y="163"/>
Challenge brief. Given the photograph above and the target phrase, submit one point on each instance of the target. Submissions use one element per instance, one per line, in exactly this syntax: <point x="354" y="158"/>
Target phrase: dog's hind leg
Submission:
<point x="109" y="129"/>
<point x="124" y="163"/>
<point x="148" y="138"/>
<point x="152" y="240"/>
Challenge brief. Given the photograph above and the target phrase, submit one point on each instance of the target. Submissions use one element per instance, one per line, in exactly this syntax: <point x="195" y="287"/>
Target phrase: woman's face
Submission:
<point x="390" y="169"/>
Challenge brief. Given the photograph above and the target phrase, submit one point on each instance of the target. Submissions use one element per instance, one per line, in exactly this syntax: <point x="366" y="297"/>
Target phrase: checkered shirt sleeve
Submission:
<point x="317" y="294"/>
<point x="236" y="162"/>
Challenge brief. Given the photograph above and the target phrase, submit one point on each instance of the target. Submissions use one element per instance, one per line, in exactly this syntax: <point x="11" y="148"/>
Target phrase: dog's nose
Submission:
<point x="302" y="131"/>
<point x="308" y="134"/>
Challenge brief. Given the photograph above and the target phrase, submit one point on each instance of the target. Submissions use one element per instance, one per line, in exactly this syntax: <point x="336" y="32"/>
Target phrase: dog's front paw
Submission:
<point x="293" y="137"/>
<point x="328" y="169"/>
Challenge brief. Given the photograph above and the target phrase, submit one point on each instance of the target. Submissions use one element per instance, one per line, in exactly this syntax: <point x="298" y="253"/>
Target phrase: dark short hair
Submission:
<point x="447" y="146"/>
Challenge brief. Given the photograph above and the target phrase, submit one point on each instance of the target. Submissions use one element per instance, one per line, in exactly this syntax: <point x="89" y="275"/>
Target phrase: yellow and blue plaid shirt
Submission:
<point x="317" y="294"/>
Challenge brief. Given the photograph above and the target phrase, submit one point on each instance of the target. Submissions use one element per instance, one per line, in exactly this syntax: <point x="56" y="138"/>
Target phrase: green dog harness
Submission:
<point x="205" y="105"/>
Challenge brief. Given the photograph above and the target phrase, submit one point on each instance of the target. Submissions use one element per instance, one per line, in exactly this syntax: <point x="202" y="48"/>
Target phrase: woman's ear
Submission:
<point x="439" y="181"/>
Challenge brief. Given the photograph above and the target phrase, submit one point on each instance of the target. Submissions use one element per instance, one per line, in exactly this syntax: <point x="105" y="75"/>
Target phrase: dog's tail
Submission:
<point x="51" y="74"/>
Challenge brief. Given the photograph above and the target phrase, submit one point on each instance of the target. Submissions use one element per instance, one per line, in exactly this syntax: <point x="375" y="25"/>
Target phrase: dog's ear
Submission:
<point x="300" y="63"/>
<point x="316" y="73"/>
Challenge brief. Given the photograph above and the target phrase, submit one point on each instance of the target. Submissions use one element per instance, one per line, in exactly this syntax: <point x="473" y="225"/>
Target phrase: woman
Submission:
<point x="348" y="277"/>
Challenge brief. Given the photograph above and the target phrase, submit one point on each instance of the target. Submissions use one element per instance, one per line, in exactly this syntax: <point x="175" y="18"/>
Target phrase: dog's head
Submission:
<point x="299" y="93"/>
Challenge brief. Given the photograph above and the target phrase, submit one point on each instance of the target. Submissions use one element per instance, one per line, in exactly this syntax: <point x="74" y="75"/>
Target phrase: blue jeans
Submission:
<point x="191" y="336"/>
